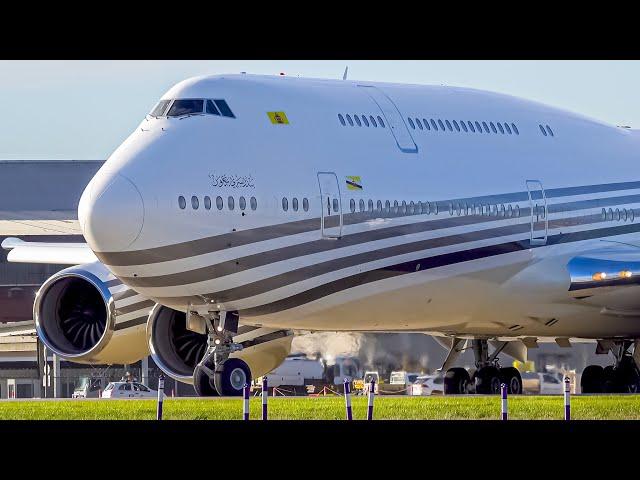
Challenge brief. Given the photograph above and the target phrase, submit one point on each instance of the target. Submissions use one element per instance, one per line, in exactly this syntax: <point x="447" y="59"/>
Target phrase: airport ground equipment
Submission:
<point x="265" y="396"/>
<point x="347" y="398"/>
<point x="245" y="403"/>
<point x="567" y="398"/>
<point x="160" y="397"/>
<point x="372" y="390"/>
<point x="505" y="406"/>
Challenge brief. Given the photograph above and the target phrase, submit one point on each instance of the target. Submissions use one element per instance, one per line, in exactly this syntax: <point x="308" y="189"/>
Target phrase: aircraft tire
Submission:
<point x="456" y="381"/>
<point x="202" y="384"/>
<point x="487" y="380"/>
<point x="510" y="376"/>
<point x="592" y="379"/>
<point x="231" y="376"/>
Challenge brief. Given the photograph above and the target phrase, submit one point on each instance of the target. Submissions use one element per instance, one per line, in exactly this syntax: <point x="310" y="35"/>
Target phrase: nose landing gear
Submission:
<point x="216" y="372"/>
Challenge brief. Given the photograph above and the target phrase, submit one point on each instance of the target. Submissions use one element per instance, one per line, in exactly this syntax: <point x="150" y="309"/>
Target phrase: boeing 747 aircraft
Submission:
<point x="245" y="209"/>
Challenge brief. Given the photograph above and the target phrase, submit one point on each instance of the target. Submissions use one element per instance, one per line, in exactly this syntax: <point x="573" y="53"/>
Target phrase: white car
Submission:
<point x="128" y="390"/>
<point x="428" y="385"/>
<point x="541" y="384"/>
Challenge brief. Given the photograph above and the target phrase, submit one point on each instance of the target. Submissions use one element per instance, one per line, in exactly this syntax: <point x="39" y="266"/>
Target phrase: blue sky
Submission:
<point x="85" y="109"/>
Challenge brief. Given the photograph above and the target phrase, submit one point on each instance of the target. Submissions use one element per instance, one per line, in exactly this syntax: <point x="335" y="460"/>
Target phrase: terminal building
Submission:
<point x="38" y="202"/>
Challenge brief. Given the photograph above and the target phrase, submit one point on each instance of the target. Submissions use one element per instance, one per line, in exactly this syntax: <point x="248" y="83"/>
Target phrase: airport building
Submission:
<point x="38" y="202"/>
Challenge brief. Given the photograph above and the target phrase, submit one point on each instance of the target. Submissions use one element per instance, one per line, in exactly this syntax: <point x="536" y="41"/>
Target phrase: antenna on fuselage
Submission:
<point x="346" y="70"/>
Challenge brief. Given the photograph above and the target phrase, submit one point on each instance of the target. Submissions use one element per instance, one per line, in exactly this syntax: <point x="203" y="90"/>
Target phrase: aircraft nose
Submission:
<point x="111" y="213"/>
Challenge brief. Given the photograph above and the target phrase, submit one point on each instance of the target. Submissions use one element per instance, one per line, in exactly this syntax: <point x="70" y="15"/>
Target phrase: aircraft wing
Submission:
<point x="48" y="252"/>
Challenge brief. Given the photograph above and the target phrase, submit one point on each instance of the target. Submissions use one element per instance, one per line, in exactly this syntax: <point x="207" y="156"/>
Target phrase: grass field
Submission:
<point x="621" y="407"/>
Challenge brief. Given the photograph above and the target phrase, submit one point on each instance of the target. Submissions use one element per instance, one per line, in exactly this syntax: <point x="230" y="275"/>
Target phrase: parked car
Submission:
<point x="88" y="388"/>
<point x="428" y="385"/>
<point x="128" y="390"/>
<point x="541" y="383"/>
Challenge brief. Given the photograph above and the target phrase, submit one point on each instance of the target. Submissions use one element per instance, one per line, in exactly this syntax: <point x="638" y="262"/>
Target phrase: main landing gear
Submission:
<point x="623" y="377"/>
<point x="217" y="373"/>
<point x="487" y="377"/>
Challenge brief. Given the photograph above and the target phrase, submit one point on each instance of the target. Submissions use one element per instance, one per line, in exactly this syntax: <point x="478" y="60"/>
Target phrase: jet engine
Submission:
<point x="77" y="317"/>
<point x="177" y="350"/>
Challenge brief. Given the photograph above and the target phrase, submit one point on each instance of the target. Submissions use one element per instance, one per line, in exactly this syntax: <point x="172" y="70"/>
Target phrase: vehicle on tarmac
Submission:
<point x="428" y="385"/>
<point x="400" y="382"/>
<point x="128" y="390"/>
<point x="88" y="388"/>
<point x="541" y="383"/>
<point x="362" y="385"/>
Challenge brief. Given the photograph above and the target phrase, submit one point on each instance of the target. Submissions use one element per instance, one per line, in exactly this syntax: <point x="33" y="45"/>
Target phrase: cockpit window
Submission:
<point x="224" y="108"/>
<point x="160" y="108"/>
<point x="185" y="107"/>
<point x="211" y="108"/>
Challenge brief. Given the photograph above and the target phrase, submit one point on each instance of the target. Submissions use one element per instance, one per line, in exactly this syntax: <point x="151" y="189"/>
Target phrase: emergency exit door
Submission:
<point x="331" y="202"/>
<point x="538" y="212"/>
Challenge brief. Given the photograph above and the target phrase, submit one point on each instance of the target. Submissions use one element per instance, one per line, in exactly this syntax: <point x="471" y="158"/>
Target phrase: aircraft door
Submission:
<point x="331" y="201"/>
<point x="539" y="212"/>
<point x="393" y="118"/>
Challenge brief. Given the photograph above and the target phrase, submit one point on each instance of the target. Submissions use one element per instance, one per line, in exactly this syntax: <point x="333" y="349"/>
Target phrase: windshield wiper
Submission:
<point x="190" y="115"/>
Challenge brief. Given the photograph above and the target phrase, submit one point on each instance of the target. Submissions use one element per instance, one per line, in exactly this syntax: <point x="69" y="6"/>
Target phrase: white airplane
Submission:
<point x="245" y="208"/>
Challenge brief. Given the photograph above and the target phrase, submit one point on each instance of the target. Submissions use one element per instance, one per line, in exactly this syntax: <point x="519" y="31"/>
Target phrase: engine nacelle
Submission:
<point x="177" y="350"/>
<point x="79" y="318"/>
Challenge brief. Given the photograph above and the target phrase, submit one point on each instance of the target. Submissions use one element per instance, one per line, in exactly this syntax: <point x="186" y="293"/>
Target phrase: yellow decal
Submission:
<point x="278" y="118"/>
<point x="354" y="183"/>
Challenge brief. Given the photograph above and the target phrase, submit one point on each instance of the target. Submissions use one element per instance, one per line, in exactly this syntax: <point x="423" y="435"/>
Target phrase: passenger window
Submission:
<point x="361" y="203"/>
<point x="549" y="130"/>
<point x="457" y="127"/>
<point x="624" y="214"/>
<point x="479" y="127"/>
<point x="379" y="206"/>
<point x="219" y="203"/>
<point x="471" y="127"/>
<point x="253" y="202"/>
<point x="207" y="203"/>
<point x="426" y="124"/>
<point x="357" y="119"/>
<point x="493" y="127"/>
<point x="412" y="207"/>
<point x="449" y="125"/>
<point x="194" y="202"/>
<point x="604" y="214"/>
<point x="403" y="208"/>
<point x="380" y="122"/>
<point x="441" y="125"/>
<point x="294" y="204"/>
<point x="335" y="205"/>
<point x="395" y="206"/>
<point x="464" y="126"/>
<point x="185" y="107"/>
<point x="305" y="204"/>
<point x="373" y="121"/>
<point x="230" y="203"/>
<point x="544" y="132"/>
<point x="350" y="121"/>
<point x="419" y="123"/>
<point x="387" y="206"/>
<point x="485" y="126"/>
<point x="506" y="125"/>
<point x="352" y="205"/>
<point x="242" y="202"/>
<point x="341" y="118"/>
<point x="285" y="204"/>
<point x="182" y="203"/>
<point x="364" y="119"/>
<point x="413" y="126"/>
<point x="370" y="204"/>
<point x="212" y="109"/>
<point x="500" y="128"/>
<point x="515" y="129"/>
<point x="433" y="124"/>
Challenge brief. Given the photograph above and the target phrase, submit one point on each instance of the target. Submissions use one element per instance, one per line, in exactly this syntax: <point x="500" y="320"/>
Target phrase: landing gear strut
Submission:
<point x="487" y="377"/>
<point x="623" y="377"/>
<point x="216" y="372"/>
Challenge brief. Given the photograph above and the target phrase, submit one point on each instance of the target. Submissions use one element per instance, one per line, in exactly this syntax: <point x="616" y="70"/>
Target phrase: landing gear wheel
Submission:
<point x="610" y="380"/>
<point x="628" y="376"/>
<point x="510" y="376"/>
<point x="230" y="377"/>
<point x="592" y="379"/>
<point x="202" y="383"/>
<point x="487" y="380"/>
<point x="456" y="381"/>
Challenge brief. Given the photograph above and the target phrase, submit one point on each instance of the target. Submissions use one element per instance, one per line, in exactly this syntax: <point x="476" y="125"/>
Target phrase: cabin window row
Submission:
<point x="546" y="130"/>
<point x="403" y="208"/>
<point x="295" y="204"/>
<point x="619" y="214"/>
<point x="465" y="126"/>
<point x="490" y="210"/>
<point x="219" y="203"/>
<point x="361" y="120"/>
